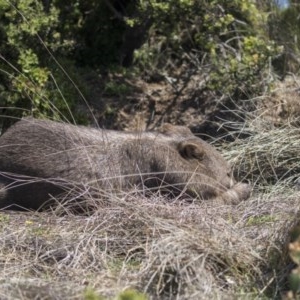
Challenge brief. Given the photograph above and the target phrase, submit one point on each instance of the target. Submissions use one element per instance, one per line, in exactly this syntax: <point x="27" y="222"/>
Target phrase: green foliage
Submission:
<point x="131" y="295"/>
<point x="4" y="219"/>
<point x="224" y="43"/>
<point x="225" y="39"/>
<point x="291" y="25"/>
<point x="285" y="30"/>
<point x="294" y="251"/>
<point x="259" y="220"/>
<point x="28" y="83"/>
<point x="90" y="294"/>
<point x="36" y="35"/>
<point x="116" y="89"/>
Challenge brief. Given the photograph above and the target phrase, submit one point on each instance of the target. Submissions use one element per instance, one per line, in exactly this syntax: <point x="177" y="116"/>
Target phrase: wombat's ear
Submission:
<point x="190" y="150"/>
<point x="173" y="130"/>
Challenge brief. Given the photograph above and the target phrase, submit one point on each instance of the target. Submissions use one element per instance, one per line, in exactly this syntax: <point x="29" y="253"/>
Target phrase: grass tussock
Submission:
<point x="166" y="250"/>
<point x="268" y="156"/>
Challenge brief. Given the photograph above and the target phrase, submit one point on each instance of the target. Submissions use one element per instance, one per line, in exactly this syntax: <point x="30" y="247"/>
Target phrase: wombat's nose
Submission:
<point x="243" y="189"/>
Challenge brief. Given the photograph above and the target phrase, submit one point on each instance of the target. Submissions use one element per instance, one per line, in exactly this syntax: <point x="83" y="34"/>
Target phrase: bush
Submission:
<point x="284" y="29"/>
<point x="32" y="79"/>
<point x="225" y="40"/>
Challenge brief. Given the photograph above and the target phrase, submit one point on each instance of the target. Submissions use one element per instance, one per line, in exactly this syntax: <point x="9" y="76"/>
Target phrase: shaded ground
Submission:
<point x="124" y="103"/>
<point x="129" y="104"/>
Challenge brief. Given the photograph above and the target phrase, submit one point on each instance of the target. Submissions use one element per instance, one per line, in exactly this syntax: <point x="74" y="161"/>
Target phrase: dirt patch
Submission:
<point x="131" y="104"/>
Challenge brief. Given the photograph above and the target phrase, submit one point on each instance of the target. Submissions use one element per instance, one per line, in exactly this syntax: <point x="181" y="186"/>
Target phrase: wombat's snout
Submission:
<point x="243" y="190"/>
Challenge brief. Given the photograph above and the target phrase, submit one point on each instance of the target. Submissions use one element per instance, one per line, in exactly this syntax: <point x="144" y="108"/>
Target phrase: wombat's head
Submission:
<point x="204" y="159"/>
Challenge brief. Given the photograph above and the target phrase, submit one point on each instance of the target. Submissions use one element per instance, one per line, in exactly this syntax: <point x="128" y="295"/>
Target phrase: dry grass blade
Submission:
<point x="270" y="156"/>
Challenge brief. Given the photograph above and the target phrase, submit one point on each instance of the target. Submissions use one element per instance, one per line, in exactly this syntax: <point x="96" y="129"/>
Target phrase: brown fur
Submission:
<point x="42" y="159"/>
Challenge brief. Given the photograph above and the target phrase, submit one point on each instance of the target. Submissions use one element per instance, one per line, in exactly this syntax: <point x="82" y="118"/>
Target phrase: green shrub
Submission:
<point x="284" y="27"/>
<point x="32" y="81"/>
<point x="131" y="295"/>
<point x="294" y="252"/>
<point x="226" y="40"/>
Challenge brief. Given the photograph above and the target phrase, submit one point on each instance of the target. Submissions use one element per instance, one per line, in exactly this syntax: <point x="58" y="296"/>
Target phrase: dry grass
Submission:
<point x="166" y="249"/>
<point x="268" y="156"/>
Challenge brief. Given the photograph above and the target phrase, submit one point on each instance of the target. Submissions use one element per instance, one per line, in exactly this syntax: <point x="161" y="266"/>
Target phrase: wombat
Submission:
<point x="43" y="161"/>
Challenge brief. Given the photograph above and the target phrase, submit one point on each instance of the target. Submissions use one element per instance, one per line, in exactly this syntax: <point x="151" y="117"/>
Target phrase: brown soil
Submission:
<point x="146" y="105"/>
<point x="143" y="105"/>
